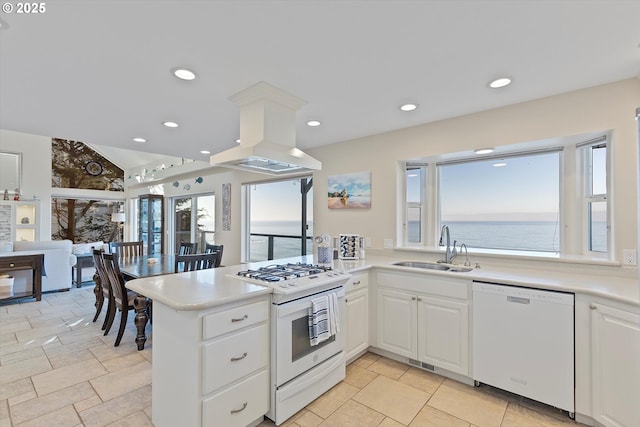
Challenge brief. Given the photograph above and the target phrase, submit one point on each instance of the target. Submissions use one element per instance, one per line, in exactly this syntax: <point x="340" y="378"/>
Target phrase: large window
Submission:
<point x="503" y="203"/>
<point x="280" y="222"/>
<point x="550" y="200"/>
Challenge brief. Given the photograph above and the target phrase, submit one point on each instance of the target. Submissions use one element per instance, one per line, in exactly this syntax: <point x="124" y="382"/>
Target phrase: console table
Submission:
<point x="33" y="262"/>
<point x="83" y="260"/>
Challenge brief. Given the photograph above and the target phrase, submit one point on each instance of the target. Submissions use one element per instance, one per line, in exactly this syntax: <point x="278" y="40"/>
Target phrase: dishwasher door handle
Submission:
<point x="518" y="300"/>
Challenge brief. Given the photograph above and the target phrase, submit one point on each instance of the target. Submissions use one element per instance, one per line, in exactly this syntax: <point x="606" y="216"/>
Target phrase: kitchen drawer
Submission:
<point x="426" y="284"/>
<point x="234" y="318"/>
<point x="238" y="405"/>
<point x="234" y="356"/>
<point x="357" y="281"/>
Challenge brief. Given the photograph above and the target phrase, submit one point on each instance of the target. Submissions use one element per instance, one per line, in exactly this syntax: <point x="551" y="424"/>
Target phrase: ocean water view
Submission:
<point x="283" y="247"/>
<point x="540" y="236"/>
<point x="535" y="236"/>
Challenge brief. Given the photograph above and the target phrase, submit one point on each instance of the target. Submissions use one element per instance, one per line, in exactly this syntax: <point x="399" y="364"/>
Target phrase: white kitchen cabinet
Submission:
<point x="211" y="367"/>
<point x="615" y="366"/>
<point x="357" y="303"/>
<point x="397" y="322"/>
<point x="443" y="333"/>
<point x="425" y="318"/>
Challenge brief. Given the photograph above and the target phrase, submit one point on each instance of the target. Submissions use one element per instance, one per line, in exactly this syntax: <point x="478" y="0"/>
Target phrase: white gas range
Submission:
<point x="300" y="372"/>
<point x="294" y="280"/>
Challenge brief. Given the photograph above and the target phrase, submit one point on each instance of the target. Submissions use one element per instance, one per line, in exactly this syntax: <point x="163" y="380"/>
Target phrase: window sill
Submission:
<point x="516" y="255"/>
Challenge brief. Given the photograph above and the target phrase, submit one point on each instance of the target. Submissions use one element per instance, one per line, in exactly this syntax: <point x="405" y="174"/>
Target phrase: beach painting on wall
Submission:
<point x="350" y="191"/>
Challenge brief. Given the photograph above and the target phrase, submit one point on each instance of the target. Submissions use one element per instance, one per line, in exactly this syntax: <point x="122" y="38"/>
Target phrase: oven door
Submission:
<point x="294" y="353"/>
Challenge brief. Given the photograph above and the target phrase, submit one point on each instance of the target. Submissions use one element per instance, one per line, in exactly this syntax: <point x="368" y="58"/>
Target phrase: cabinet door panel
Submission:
<point x="443" y="339"/>
<point x="357" y="303"/>
<point x="615" y="340"/>
<point x="397" y="323"/>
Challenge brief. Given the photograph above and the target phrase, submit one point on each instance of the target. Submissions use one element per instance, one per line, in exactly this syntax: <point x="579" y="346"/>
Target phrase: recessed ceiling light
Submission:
<point x="501" y="82"/>
<point x="408" y="107"/>
<point x="183" y="73"/>
<point x="139" y="140"/>
<point x="499" y="164"/>
<point x="313" y="123"/>
<point x="205" y="152"/>
<point x="483" y="150"/>
<point x="170" y="124"/>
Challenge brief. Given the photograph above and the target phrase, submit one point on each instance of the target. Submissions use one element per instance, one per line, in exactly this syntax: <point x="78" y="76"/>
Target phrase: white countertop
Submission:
<point x="203" y="289"/>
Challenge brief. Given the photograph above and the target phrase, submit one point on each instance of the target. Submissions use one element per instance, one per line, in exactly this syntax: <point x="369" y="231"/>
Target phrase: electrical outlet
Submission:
<point x="629" y="257"/>
<point x="367" y="242"/>
<point x="388" y="243"/>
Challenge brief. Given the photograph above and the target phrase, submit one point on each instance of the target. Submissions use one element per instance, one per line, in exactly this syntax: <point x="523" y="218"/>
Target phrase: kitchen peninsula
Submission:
<point x="193" y="379"/>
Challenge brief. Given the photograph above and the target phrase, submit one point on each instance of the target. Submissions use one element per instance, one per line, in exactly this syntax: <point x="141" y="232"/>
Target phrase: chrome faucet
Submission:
<point x="450" y="254"/>
<point x="467" y="263"/>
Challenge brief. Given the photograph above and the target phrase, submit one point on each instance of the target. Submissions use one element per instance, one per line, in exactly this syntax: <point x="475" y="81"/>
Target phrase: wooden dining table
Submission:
<point x="139" y="267"/>
<point x="147" y="266"/>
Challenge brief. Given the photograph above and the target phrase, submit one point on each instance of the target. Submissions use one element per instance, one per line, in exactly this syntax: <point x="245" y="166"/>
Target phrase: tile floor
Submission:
<point x="57" y="369"/>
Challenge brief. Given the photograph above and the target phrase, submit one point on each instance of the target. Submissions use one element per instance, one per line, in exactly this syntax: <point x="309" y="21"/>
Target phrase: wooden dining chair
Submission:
<point x="126" y="249"/>
<point x="187" y="248"/>
<point x="102" y="290"/>
<point x="215" y="248"/>
<point x="195" y="262"/>
<point x="122" y="297"/>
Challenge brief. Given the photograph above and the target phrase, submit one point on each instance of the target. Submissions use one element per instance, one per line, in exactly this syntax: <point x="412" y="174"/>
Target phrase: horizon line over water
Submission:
<point x="539" y="236"/>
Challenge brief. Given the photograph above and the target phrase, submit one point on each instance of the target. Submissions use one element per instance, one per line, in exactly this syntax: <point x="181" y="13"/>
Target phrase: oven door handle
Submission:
<point x="304" y="304"/>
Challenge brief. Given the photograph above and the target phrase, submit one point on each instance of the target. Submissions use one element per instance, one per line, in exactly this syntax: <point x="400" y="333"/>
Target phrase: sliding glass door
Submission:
<point x="193" y="221"/>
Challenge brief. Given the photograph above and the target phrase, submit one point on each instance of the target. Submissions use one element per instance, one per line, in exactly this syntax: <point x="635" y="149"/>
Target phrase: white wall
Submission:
<point x="36" y="171"/>
<point x="595" y="109"/>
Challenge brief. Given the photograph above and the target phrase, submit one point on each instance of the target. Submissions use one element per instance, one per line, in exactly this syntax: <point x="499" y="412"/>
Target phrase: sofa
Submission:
<point x="58" y="263"/>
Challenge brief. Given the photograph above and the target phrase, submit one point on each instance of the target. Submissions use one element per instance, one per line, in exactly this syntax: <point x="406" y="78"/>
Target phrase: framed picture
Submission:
<point x="349" y="191"/>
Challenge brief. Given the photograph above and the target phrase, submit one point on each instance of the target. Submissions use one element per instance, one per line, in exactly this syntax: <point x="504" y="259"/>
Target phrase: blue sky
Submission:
<point x="358" y="183"/>
<point x="278" y="201"/>
<point x="526" y="188"/>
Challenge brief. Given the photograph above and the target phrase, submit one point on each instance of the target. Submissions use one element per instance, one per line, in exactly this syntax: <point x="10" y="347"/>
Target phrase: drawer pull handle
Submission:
<point x="245" y="317"/>
<point x="12" y="265"/>
<point x="518" y="300"/>
<point x="593" y="306"/>
<point x="235" y="411"/>
<point x="235" y="359"/>
<point x="356" y="283"/>
<point x="413" y="298"/>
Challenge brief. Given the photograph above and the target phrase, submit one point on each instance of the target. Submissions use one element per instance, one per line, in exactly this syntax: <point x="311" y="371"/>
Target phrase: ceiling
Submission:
<point x="99" y="71"/>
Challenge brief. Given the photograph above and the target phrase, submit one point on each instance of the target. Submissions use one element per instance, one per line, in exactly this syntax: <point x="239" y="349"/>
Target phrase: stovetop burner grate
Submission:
<point x="280" y="272"/>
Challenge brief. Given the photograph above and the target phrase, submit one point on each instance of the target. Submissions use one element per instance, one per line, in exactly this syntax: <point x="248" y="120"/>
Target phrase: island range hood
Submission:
<point x="267" y="134"/>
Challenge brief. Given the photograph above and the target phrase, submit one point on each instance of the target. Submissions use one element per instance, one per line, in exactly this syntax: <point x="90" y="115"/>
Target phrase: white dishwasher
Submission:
<point x="523" y="342"/>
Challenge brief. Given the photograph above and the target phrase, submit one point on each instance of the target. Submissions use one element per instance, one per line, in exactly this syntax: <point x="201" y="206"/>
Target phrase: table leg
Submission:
<point x="140" y="305"/>
<point x="79" y="274"/>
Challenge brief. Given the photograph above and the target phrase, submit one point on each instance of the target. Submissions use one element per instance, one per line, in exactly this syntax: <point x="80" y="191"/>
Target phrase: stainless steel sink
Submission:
<point x="433" y="266"/>
<point x="427" y="265"/>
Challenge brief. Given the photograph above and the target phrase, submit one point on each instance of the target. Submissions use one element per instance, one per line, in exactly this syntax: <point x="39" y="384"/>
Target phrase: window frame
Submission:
<point x="573" y="177"/>
<point x="585" y="158"/>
